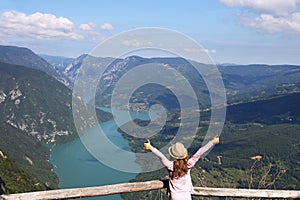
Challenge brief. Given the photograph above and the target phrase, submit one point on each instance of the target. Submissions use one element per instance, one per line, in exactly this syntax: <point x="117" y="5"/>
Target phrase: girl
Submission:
<point x="180" y="184"/>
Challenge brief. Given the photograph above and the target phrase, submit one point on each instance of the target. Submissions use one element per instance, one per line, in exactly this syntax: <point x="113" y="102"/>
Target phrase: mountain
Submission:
<point x="35" y="109"/>
<point x="277" y="110"/>
<point x="16" y="177"/>
<point x="259" y="147"/>
<point x="243" y="83"/>
<point x="35" y="103"/>
<point x="254" y="82"/>
<point x="26" y="57"/>
<point x="113" y="69"/>
<point x="262" y="116"/>
<point x="25" y="165"/>
<point x="58" y="62"/>
<point x="35" y="113"/>
<point x="70" y="66"/>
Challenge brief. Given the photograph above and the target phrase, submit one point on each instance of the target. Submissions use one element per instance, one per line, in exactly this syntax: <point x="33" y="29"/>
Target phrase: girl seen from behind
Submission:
<point x="180" y="183"/>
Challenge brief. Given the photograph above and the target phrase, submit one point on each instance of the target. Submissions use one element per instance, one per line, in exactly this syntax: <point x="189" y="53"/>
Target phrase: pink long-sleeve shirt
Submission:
<point x="181" y="187"/>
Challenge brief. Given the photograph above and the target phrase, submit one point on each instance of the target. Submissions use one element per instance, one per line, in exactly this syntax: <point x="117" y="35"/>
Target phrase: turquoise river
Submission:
<point x="76" y="167"/>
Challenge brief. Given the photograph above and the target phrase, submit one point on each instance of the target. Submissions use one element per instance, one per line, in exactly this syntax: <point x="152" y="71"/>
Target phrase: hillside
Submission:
<point x="243" y="83"/>
<point x="26" y="57"/>
<point x="17" y="177"/>
<point x="30" y="155"/>
<point x="254" y="82"/>
<point x="279" y="109"/>
<point x="35" y="103"/>
<point x="35" y="112"/>
<point x="29" y="118"/>
<point x="268" y="128"/>
<point x="58" y="62"/>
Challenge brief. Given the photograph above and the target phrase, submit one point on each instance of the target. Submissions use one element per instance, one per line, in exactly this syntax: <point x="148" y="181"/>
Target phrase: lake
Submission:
<point x="76" y="167"/>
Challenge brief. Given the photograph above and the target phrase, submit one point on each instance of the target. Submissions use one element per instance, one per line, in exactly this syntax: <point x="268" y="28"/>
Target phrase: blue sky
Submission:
<point x="232" y="31"/>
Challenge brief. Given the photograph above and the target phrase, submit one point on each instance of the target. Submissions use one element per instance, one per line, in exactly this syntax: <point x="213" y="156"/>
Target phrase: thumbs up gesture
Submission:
<point x="148" y="146"/>
<point x="216" y="140"/>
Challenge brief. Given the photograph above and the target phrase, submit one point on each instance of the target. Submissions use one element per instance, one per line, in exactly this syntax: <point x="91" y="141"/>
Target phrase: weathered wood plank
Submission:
<point x="86" y="192"/>
<point x="149" y="185"/>
<point x="246" y="193"/>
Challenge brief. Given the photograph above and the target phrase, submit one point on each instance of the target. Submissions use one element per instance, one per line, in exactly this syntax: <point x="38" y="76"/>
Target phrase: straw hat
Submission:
<point x="178" y="151"/>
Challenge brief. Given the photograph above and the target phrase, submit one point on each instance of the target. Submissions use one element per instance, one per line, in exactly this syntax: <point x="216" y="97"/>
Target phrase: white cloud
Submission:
<point x="213" y="51"/>
<point x="271" y="24"/>
<point x="37" y="25"/>
<point x="272" y="16"/>
<point x="136" y="43"/>
<point x="87" y="27"/>
<point x="275" y="7"/>
<point x="195" y="50"/>
<point x="107" y="26"/>
<point x="48" y="27"/>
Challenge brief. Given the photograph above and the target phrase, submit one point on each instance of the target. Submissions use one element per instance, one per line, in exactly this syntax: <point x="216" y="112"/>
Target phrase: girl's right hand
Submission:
<point x="148" y="146"/>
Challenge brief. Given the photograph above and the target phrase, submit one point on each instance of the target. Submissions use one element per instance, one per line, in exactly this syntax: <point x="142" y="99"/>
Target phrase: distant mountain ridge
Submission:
<point x="26" y="57"/>
<point x="243" y="83"/>
<point x="256" y="81"/>
<point x="58" y="62"/>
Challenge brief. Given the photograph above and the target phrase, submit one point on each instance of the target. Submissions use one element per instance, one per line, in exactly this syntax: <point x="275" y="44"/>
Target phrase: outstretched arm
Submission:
<point x="165" y="161"/>
<point x="148" y="146"/>
<point x="202" y="150"/>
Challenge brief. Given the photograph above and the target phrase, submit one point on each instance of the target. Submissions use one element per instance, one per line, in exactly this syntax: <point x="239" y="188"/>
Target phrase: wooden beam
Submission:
<point x="149" y="185"/>
<point x="246" y="193"/>
<point x="86" y="192"/>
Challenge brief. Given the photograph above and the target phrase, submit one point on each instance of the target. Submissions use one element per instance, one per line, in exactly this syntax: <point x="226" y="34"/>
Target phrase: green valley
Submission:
<point x="259" y="147"/>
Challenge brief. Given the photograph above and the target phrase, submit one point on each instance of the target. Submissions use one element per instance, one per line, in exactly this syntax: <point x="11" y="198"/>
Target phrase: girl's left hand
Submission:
<point x="216" y="140"/>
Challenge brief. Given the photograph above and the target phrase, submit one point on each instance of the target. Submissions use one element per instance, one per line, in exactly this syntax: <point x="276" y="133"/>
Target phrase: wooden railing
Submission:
<point x="149" y="185"/>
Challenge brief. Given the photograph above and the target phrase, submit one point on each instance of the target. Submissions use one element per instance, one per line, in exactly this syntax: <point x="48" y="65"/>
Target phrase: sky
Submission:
<point x="231" y="31"/>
